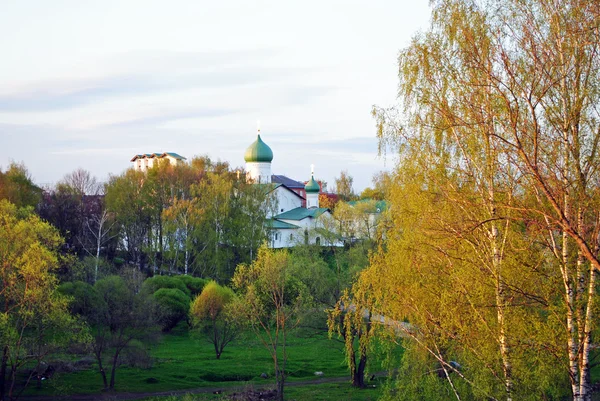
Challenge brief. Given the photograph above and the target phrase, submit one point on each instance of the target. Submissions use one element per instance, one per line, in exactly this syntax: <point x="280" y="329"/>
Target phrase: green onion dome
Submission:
<point x="258" y="152"/>
<point x="312" y="186"/>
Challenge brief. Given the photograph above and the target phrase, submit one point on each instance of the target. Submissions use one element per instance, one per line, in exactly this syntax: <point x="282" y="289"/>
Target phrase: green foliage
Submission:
<point x="122" y="319"/>
<point x="17" y="187"/>
<point x="495" y="199"/>
<point x="194" y="284"/>
<point x="211" y="303"/>
<point x="320" y="280"/>
<point x="271" y="301"/>
<point x="174" y="306"/>
<point x="211" y="313"/>
<point x="34" y="317"/>
<point x="127" y="196"/>
<point x="343" y="186"/>
<point x="153" y="284"/>
<point x="84" y="298"/>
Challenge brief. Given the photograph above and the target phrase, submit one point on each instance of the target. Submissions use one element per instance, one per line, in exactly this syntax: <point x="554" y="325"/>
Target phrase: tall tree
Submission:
<point x="62" y="208"/>
<point x="343" y="186"/>
<point x="214" y="194"/>
<point x="119" y="317"/>
<point x="17" y="186"/>
<point x="34" y="319"/>
<point x="82" y="182"/>
<point x="271" y="301"/>
<point x="247" y="224"/>
<point x="182" y="220"/>
<point x="126" y="197"/>
<point x="500" y="97"/>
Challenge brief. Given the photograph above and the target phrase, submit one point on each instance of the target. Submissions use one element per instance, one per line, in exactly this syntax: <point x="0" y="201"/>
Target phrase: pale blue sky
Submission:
<point x="90" y="84"/>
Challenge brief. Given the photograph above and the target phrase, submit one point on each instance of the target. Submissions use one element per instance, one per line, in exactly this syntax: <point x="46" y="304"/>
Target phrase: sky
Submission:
<point x="92" y="83"/>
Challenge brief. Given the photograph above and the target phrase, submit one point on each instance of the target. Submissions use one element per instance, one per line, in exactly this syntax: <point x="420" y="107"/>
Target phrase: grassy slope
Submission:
<point x="183" y="361"/>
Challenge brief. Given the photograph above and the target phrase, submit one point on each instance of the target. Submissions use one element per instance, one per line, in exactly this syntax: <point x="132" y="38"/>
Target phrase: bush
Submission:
<point x="153" y="284"/>
<point x="84" y="298"/>
<point x="174" y="306"/>
<point x="194" y="284"/>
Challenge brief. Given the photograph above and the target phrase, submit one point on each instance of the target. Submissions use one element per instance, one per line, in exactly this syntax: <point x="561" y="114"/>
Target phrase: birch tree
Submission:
<point x="182" y="220"/>
<point x="126" y="196"/>
<point x="501" y="96"/>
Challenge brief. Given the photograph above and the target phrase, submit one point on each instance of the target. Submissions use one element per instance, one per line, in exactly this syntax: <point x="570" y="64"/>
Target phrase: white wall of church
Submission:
<point x="286" y="200"/>
<point x="259" y="172"/>
<point x="284" y="238"/>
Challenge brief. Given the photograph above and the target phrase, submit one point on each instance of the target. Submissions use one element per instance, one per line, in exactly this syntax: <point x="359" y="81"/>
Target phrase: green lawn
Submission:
<point x="318" y="392"/>
<point x="184" y="361"/>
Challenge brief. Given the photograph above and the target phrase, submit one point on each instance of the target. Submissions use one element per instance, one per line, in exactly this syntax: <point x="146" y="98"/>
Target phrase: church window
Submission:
<point x="291" y="237"/>
<point x="318" y="241"/>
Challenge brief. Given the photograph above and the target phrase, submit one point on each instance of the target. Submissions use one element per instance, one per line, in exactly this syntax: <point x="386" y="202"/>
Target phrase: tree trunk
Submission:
<point x="585" y="389"/>
<point x="98" y="245"/>
<point x="187" y="253"/>
<point x="358" y="378"/>
<point x="13" y="381"/>
<point x="280" y="383"/>
<point x="114" y="369"/>
<point x="101" y="369"/>
<point x="215" y="340"/>
<point x="3" y="372"/>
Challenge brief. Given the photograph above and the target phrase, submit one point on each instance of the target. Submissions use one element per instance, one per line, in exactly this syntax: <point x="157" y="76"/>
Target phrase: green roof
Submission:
<point x="312" y="186"/>
<point x="280" y="224"/>
<point x="300" y="213"/>
<point x="258" y="152"/>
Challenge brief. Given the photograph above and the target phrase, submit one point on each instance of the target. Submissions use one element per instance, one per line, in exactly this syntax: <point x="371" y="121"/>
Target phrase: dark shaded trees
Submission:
<point x="120" y="317"/>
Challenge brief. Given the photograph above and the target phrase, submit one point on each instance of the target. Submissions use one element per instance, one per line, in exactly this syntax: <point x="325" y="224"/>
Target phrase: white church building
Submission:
<point x="298" y="218"/>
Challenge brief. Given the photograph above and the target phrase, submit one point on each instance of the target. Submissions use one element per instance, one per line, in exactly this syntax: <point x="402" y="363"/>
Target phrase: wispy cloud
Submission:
<point x="364" y="145"/>
<point x="67" y="94"/>
<point x="146" y="73"/>
<point x="158" y="119"/>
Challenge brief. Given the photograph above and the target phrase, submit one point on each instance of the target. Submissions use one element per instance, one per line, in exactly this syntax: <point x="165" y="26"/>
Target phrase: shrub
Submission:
<point x="174" y="306"/>
<point x="84" y="297"/>
<point x="194" y="284"/>
<point x="153" y="284"/>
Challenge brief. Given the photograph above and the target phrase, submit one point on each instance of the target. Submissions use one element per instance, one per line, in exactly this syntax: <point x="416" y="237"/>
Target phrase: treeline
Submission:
<point x="199" y="218"/>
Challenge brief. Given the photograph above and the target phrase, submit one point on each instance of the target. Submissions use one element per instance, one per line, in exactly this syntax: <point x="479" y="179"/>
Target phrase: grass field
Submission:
<point x="319" y="392"/>
<point x="181" y="360"/>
